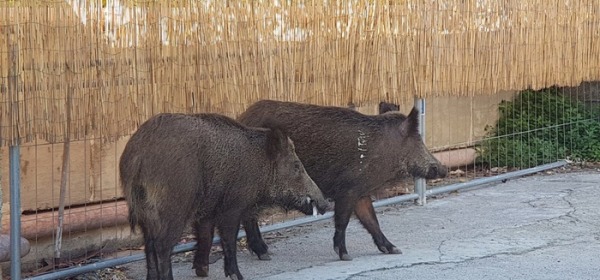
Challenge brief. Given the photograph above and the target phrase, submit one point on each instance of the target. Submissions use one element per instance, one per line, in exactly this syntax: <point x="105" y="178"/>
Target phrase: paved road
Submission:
<point x="538" y="227"/>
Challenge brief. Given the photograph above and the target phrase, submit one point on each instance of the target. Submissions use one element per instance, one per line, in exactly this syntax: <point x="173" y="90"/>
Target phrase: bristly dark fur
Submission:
<point x="276" y="141"/>
<point x="276" y="138"/>
<point x="210" y="169"/>
<point x="349" y="155"/>
<point x="385" y="107"/>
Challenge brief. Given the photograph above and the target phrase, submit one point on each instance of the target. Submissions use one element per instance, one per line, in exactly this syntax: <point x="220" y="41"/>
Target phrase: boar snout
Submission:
<point x="436" y="170"/>
<point x="432" y="170"/>
<point x="312" y="205"/>
<point x="321" y="204"/>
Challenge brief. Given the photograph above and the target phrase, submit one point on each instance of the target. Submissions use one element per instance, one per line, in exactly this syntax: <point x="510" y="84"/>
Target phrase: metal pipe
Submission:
<point x="15" y="212"/>
<point x="191" y="245"/>
<point x="487" y="180"/>
<point x="14" y="155"/>
<point x="421" y="190"/>
<point x="305" y="220"/>
<point x="69" y="272"/>
<point x="420" y="183"/>
<point x="395" y="200"/>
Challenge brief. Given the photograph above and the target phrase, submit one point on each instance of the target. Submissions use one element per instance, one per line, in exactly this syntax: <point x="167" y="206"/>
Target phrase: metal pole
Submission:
<point x="1" y="198"/>
<point x="420" y="184"/>
<point x="14" y="157"/>
<point x="15" y="212"/>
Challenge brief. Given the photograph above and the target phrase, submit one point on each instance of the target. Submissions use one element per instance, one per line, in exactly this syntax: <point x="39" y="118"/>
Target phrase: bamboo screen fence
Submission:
<point x="109" y="66"/>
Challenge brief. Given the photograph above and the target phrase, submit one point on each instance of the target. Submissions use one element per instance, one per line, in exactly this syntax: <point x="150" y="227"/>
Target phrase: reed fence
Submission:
<point x="121" y="62"/>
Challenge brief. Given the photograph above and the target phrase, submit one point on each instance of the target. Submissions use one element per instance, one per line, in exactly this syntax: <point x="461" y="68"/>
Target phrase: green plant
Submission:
<point x="539" y="127"/>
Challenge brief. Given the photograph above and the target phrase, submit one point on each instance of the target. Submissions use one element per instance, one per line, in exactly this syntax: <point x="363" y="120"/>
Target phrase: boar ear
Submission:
<point x="411" y="124"/>
<point x="276" y="144"/>
<point x="385" y="107"/>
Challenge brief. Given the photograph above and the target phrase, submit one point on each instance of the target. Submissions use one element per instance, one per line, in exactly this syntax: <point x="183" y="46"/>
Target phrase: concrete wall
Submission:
<point x="93" y="175"/>
<point x="452" y="122"/>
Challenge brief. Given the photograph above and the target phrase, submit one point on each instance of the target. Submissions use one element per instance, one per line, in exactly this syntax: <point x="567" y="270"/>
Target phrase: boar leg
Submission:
<point x="164" y="247"/>
<point x="158" y="248"/>
<point x="228" y="226"/>
<point x="342" y="213"/>
<point x="162" y="228"/>
<point x="254" y="237"/>
<point x="205" y="230"/>
<point x="366" y="215"/>
<point x="149" y="249"/>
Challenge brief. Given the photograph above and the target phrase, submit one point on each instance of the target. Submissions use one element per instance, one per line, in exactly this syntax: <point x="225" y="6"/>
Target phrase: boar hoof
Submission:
<point x="391" y="250"/>
<point x="264" y="257"/>
<point x="202" y="271"/>
<point x="233" y="277"/>
<point x="345" y="257"/>
<point x="395" y="250"/>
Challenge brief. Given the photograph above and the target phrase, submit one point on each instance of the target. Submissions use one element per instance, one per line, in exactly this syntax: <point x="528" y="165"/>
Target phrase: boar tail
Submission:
<point x="134" y="192"/>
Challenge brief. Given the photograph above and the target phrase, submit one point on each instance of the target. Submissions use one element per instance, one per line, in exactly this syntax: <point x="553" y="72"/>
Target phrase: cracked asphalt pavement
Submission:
<point x="537" y="227"/>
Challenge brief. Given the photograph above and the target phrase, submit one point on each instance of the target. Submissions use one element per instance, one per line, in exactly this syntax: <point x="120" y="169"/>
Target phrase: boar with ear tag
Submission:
<point x="349" y="155"/>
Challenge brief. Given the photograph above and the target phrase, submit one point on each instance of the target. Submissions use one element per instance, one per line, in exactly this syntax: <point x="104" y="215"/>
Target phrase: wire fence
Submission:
<point x="86" y="73"/>
<point x="96" y="229"/>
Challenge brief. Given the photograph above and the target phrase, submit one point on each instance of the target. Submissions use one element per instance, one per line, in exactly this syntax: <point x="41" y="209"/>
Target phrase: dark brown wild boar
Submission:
<point x="349" y="155"/>
<point x="210" y="169"/>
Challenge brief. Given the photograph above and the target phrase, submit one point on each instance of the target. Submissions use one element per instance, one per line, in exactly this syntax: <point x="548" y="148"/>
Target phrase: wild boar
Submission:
<point x="210" y="169"/>
<point x="349" y="155"/>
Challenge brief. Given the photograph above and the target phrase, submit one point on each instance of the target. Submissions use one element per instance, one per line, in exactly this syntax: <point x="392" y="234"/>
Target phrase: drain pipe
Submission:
<point x="69" y="272"/>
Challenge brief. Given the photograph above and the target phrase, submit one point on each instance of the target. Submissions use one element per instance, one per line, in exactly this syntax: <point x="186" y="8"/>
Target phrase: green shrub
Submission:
<point x="540" y="127"/>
